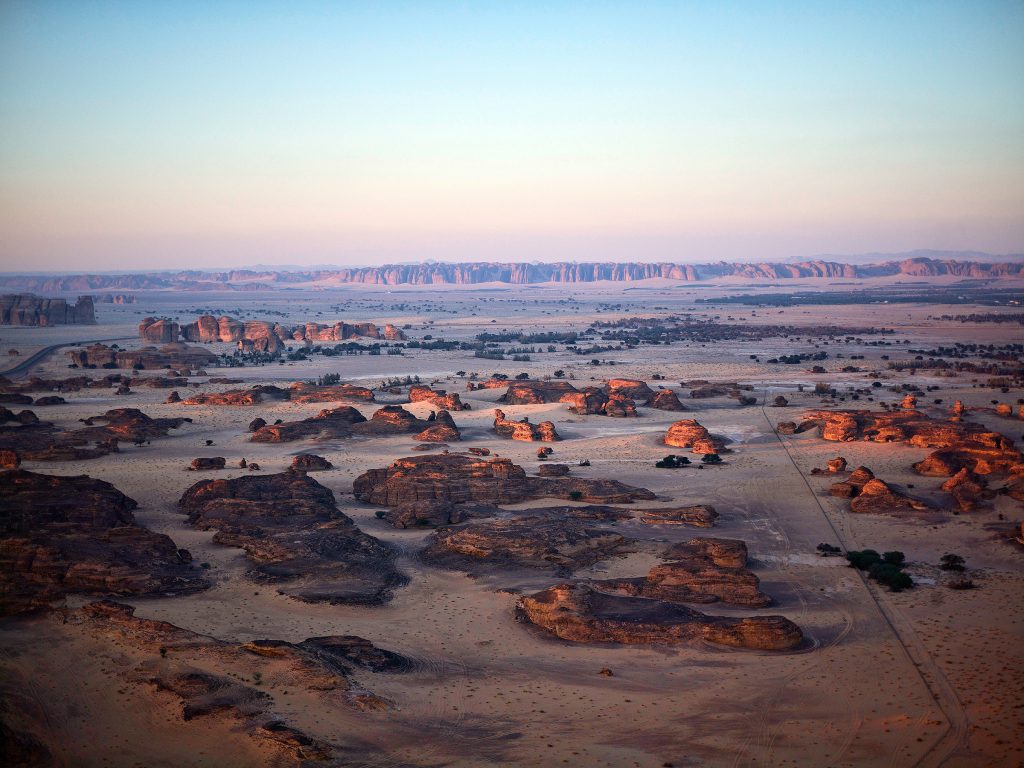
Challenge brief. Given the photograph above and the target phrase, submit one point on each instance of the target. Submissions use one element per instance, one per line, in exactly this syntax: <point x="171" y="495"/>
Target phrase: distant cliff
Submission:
<point x="474" y="273"/>
<point x="26" y="309"/>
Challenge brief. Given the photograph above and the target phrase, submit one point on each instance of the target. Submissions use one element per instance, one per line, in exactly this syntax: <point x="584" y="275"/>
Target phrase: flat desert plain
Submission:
<point x="927" y="676"/>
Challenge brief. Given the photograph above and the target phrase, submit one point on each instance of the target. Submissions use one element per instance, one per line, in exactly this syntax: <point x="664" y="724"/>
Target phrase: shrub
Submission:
<point x="891" y="576"/>
<point x="894" y="558"/>
<point x="711" y="458"/>
<point x="952" y="562"/>
<point x="575" y="495"/>
<point x="863" y="559"/>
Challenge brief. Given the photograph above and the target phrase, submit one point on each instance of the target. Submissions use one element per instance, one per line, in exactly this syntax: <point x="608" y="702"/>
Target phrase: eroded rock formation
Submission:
<point x="26" y="309"/>
<point x="310" y="393"/>
<point x="174" y="355"/>
<point x="448" y="401"/>
<point x="698" y="571"/>
<point x="562" y="545"/>
<point x="689" y="433"/>
<point x="430" y="489"/>
<point x="961" y="444"/>
<point x="580" y="613"/>
<point x="62" y="535"/>
<point x="524" y="430"/>
<point x="295" y="536"/>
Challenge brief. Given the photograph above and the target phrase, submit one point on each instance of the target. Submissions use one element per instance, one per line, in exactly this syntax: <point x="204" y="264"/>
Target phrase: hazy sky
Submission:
<point x="137" y="134"/>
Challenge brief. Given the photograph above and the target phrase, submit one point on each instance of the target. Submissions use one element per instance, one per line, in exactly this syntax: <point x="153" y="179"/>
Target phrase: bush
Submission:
<point x="711" y="458"/>
<point x="952" y="563"/>
<point x="828" y="549"/>
<point x="575" y="495"/>
<point x="863" y="559"/>
<point x="894" y="558"/>
<point x="891" y="576"/>
<point x="672" y="462"/>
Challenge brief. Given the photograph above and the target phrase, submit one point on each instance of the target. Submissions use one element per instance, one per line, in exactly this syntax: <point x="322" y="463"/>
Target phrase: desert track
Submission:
<point x="954" y="737"/>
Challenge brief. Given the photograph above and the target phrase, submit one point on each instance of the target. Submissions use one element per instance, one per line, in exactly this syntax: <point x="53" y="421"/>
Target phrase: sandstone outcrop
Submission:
<point x="295" y="536"/>
<point x="448" y="401"/>
<point x="580" y="613"/>
<point x="560" y="545"/>
<point x="36" y="440"/>
<point x="666" y="400"/>
<point x="266" y="336"/>
<point x="535" y="392"/>
<point x="330" y="423"/>
<point x="961" y="444"/>
<point x="310" y="393"/>
<point x="174" y="355"/>
<point x="309" y="462"/>
<point x="696" y="516"/>
<point x="26" y="309"/>
<point x="967" y="489"/>
<point x="441" y="430"/>
<point x="688" y="433"/>
<point x="62" y="535"/>
<point x="158" y="331"/>
<point x="699" y="571"/>
<point x="430" y="489"/>
<point x="877" y="498"/>
<point x="515" y="273"/>
<point x="619" y="405"/>
<point x="870" y="495"/>
<point x="230" y="397"/>
<point x="631" y="388"/>
<point x="206" y="464"/>
<point x="524" y="430"/>
<point x="210" y="677"/>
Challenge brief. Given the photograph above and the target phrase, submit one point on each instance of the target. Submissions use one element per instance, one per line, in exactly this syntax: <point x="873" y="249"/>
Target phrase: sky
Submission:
<point x="223" y="134"/>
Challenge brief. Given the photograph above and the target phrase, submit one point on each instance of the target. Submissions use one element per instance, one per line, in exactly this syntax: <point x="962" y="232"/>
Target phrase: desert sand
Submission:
<point x="929" y="676"/>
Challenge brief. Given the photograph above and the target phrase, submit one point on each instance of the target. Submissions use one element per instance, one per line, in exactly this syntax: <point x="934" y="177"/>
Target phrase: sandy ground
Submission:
<point x="927" y="677"/>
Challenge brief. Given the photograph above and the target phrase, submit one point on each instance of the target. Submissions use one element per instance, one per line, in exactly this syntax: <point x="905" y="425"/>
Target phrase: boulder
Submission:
<point x="967" y="489"/>
<point x="629" y="388"/>
<point x="438" y="397"/>
<point x="208" y="463"/>
<point x="308" y="462"/>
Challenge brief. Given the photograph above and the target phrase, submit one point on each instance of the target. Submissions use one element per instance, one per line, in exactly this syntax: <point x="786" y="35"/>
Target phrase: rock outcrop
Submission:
<point x="26" y="309"/>
<point x="560" y="545"/>
<point x="535" y="392"/>
<point x="174" y="355"/>
<point x="524" y="430"/>
<point x="967" y="489"/>
<point x="157" y="331"/>
<point x="870" y="495"/>
<point x="309" y="462"/>
<point x="208" y="463"/>
<point x="631" y="388"/>
<point x="271" y="337"/>
<point x="310" y="393"/>
<point x="666" y="400"/>
<point x="696" y="516"/>
<point x="448" y="401"/>
<point x="961" y="444"/>
<point x="442" y="430"/>
<point x="36" y="440"/>
<point x="230" y="397"/>
<point x="699" y="571"/>
<point x="64" y="535"/>
<point x="580" y="613"/>
<point x="688" y="433"/>
<point x="295" y="536"/>
<point x="330" y="423"/>
<point x="515" y="273"/>
<point x="429" y="490"/>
